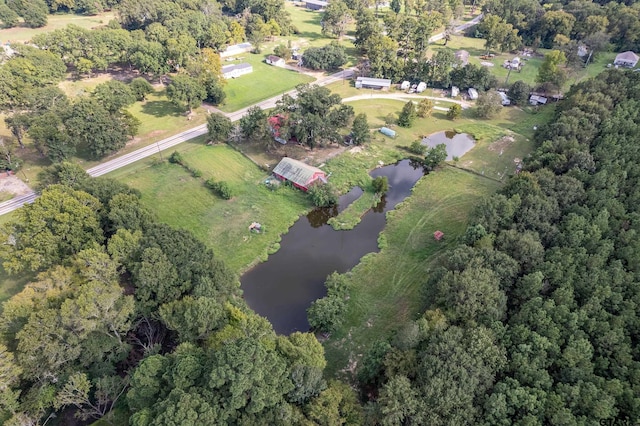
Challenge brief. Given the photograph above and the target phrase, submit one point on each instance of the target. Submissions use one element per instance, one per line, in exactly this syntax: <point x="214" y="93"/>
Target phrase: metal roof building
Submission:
<point x="236" y="70"/>
<point x="300" y="174"/>
<point x="373" y="83"/>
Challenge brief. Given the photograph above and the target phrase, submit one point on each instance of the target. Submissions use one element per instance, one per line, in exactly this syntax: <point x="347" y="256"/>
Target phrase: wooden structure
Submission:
<point x="276" y="61"/>
<point x="300" y="174"/>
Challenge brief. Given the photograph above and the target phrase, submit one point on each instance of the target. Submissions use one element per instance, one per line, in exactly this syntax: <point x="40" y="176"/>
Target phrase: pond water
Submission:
<point x="457" y="144"/>
<point x="282" y="288"/>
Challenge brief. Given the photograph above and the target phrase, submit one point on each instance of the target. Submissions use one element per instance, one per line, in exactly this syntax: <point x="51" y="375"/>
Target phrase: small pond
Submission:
<point x="282" y="288"/>
<point x="457" y="144"/>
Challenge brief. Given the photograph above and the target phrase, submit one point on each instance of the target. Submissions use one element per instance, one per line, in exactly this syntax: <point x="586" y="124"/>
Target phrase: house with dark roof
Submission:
<point x="300" y="174"/>
<point x="275" y="61"/>
<point x="626" y="59"/>
<point x="236" y="70"/>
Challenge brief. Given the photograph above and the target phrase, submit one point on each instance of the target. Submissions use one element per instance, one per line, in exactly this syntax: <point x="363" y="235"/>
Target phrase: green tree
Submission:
<point x="254" y="123"/>
<point x="337" y="405"/>
<point x="519" y="92"/>
<point x="425" y="107"/>
<point x="336" y="18"/>
<point x="360" y="133"/>
<point x="329" y="57"/>
<point x="35" y="13"/>
<point x="489" y="104"/>
<point x="550" y="71"/>
<point x="8" y="18"/>
<point x="322" y="195"/>
<point x="454" y="112"/>
<point x="57" y="225"/>
<point x="193" y="318"/>
<point x="398" y="402"/>
<point x="156" y="280"/>
<point x="218" y="127"/>
<point x="140" y="88"/>
<point x="380" y="184"/>
<point x="435" y="156"/>
<point x="407" y="115"/>
<point x="185" y="91"/>
<point x="18" y="124"/>
<point x="499" y="34"/>
<point x="282" y="51"/>
<point x="114" y="95"/>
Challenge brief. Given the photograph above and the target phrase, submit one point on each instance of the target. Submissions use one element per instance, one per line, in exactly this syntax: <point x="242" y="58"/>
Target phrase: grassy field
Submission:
<point x="23" y="33"/>
<point x="385" y="288"/>
<point x="266" y="81"/>
<point x="183" y="201"/>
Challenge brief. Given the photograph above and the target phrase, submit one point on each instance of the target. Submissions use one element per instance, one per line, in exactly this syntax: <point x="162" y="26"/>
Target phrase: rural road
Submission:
<point x="405" y="97"/>
<point x="147" y="151"/>
<point x="132" y="157"/>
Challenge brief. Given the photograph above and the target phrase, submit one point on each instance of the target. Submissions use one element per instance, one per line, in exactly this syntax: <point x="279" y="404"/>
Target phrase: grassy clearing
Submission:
<point x="23" y="34"/>
<point x="386" y="287"/>
<point x="263" y="83"/>
<point x="183" y="201"/>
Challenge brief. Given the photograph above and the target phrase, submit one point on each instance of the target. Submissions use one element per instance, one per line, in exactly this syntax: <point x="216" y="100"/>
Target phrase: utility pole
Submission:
<point x="508" y="74"/>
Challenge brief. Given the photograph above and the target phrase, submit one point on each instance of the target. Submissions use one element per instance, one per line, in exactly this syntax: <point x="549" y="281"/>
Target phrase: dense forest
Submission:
<point x="126" y="312"/>
<point x="534" y="318"/>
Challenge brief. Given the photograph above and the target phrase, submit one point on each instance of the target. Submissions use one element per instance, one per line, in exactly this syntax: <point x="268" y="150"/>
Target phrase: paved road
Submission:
<point x="132" y="157"/>
<point x="459" y="28"/>
<point x="124" y="160"/>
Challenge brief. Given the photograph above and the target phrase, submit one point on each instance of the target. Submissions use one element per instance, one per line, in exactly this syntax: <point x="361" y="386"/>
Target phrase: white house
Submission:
<point x="373" y="83"/>
<point x="626" y="59"/>
<point x="276" y="61"/>
<point x="537" y="100"/>
<point x="422" y="86"/>
<point x="315" y="4"/>
<point x="236" y="70"/>
<point x="505" y="100"/>
<point x="473" y="93"/>
<point x="236" y="49"/>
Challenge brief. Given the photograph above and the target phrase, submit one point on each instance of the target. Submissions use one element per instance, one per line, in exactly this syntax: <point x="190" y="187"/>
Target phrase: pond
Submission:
<point x="457" y="144"/>
<point x="282" y="288"/>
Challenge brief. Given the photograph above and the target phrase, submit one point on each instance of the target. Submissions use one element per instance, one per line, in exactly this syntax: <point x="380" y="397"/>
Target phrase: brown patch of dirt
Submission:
<point x="12" y="184"/>
<point x="501" y="144"/>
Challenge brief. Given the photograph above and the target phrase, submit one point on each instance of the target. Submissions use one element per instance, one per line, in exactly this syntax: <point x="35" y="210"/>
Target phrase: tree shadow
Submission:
<point x="161" y="109"/>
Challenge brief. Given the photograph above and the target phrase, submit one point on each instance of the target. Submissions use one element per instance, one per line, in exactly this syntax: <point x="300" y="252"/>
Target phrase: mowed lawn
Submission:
<point x="184" y="202"/>
<point x="386" y="287"/>
<point x="22" y="33"/>
<point x="266" y="81"/>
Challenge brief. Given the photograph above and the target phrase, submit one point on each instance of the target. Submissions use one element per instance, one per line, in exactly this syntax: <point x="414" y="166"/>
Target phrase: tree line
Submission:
<point x="122" y="312"/>
<point x="532" y="318"/>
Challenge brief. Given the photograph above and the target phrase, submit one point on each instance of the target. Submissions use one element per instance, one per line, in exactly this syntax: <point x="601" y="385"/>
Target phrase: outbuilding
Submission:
<point x="388" y="132"/>
<point x="537" y="100"/>
<point x="373" y="83"/>
<point x="626" y="59"/>
<point x="454" y="91"/>
<point x="315" y="4"/>
<point x="236" y="49"/>
<point x="422" y="86"/>
<point x="473" y="93"/>
<point x="505" y="99"/>
<point x="405" y="85"/>
<point x="275" y="61"/>
<point x="236" y="70"/>
<point x="300" y="174"/>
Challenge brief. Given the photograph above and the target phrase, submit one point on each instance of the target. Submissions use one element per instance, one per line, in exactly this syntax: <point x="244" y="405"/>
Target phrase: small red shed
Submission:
<point x="300" y="174"/>
<point x="438" y="235"/>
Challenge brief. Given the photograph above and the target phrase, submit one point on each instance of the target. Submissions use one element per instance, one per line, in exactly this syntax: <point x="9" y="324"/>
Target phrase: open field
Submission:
<point x="183" y="201"/>
<point x="263" y="83"/>
<point x="385" y="288"/>
<point x="22" y="34"/>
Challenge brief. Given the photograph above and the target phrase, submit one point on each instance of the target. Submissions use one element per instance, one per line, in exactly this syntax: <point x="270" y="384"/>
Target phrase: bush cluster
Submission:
<point x="220" y="188"/>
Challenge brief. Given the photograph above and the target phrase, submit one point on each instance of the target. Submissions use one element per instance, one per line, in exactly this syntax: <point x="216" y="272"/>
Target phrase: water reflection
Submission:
<point x="283" y="287"/>
<point x="457" y="144"/>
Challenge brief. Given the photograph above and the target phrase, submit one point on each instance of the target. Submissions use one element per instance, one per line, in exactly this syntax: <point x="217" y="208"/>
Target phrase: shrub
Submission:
<point x="196" y="173"/>
<point x="454" y="112"/>
<point x="417" y="148"/>
<point x="176" y="158"/>
<point x="380" y="184"/>
<point x="221" y="188"/>
<point x="322" y="195"/>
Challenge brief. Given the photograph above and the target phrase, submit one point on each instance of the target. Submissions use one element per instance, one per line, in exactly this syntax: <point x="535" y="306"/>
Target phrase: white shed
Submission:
<point x="422" y="86"/>
<point x="473" y="93"/>
<point x="454" y="91"/>
<point x="405" y="85"/>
